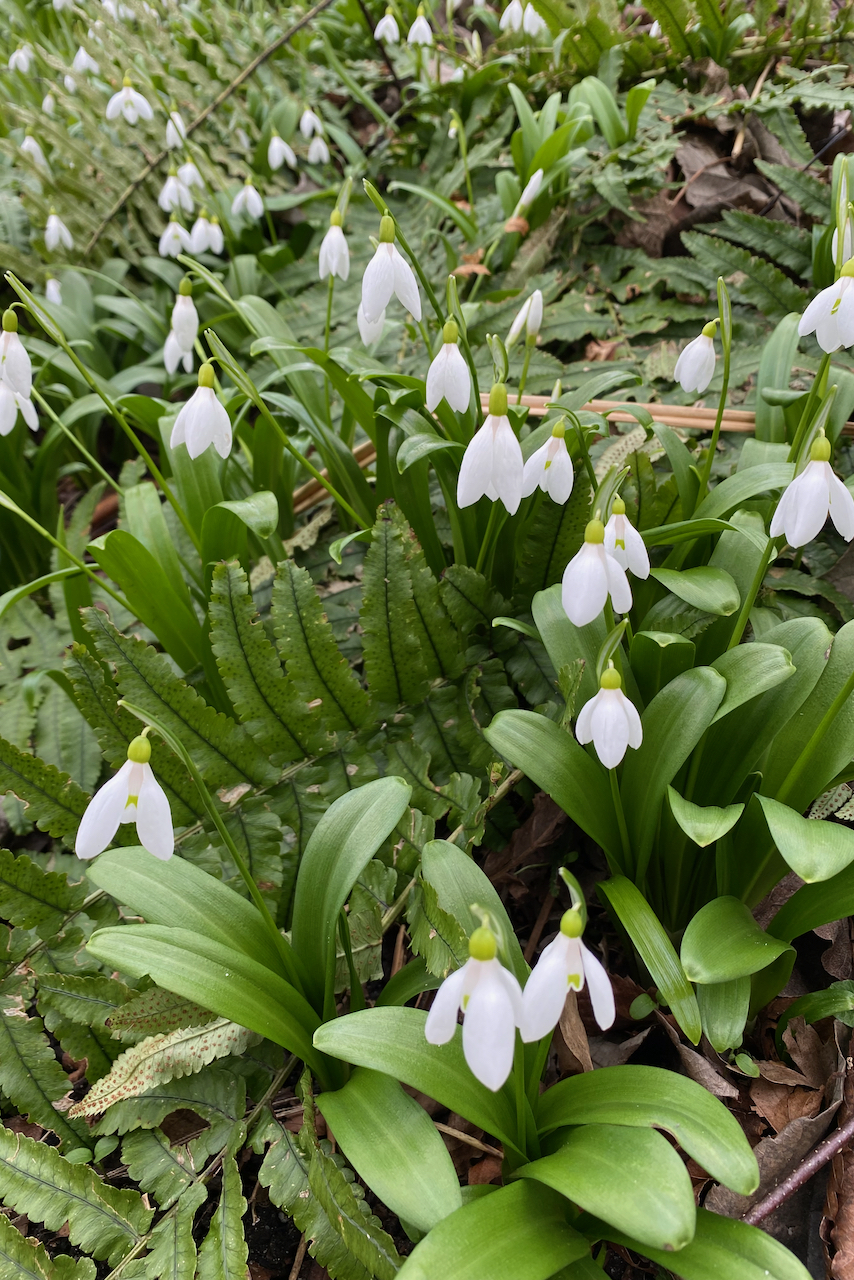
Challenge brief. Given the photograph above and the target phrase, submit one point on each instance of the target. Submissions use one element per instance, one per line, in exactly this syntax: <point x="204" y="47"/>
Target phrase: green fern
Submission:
<point x="308" y="649"/>
<point x="470" y="599"/>
<point x="156" y="1166"/>
<point x="216" y="1094"/>
<point x="31" y="898"/>
<point x="812" y="195"/>
<point x="406" y="759"/>
<point x="173" y="1249"/>
<point x="37" y="1181"/>
<point x="789" y="246"/>
<point x="54" y="802"/>
<point x="394" y="665"/>
<point x="762" y="285"/>
<point x="436" y="936"/>
<point x="30" y="1075"/>
<point x="224" y="1252"/>
<point x="439" y="640"/>
<point x="257" y="832"/>
<point x="222" y="749"/>
<point x="264" y="698"/>
<point x="155" y="1012"/>
<point x="24" y="1259"/>
<point x="75" y="1010"/>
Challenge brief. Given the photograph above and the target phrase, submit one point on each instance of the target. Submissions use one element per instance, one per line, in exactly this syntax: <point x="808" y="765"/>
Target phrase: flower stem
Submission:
<point x="523" y="377"/>
<point x="585" y="453"/>
<point x="806" y="417"/>
<point x="621" y="820"/>
<point x="81" y="448"/>
<point x="326" y="331"/>
<point x="750" y="598"/>
<point x="491" y="530"/>
<point x="427" y="286"/>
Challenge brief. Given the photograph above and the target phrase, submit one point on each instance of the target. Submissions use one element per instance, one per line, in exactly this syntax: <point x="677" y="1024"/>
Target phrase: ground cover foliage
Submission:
<point x="364" y="699"/>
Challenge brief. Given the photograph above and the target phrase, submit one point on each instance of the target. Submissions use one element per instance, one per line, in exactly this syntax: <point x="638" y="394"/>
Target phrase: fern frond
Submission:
<point x="36" y="1180"/>
<point x="25" y="1259"/>
<point x="173" y="1249"/>
<point x="223" y="751"/>
<point x="54" y="802"/>
<point x="160" y="1059"/>
<point x="394" y="665"/>
<point x="408" y="760"/>
<point x="156" y="1167"/>
<point x="217" y="1095"/>
<point x="436" y="936"/>
<point x="30" y="1075"/>
<point x="257" y="832"/>
<point x="90" y="1001"/>
<point x="813" y="196"/>
<point x="31" y="898"/>
<point x="760" y="283"/>
<point x="440" y="642"/>
<point x="224" y="1251"/>
<point x="155" y="1012"/>
<point x="784" y="243"/>
<point x="308" y="649"/>
<point x="470" y="599"/>
<point x="264" y="698"/>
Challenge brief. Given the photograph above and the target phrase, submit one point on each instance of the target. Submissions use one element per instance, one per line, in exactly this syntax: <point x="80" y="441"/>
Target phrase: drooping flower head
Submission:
<point x="830" y="315"/>
<point x="248" y="201"/>
<point x="318" y="151"/>
<point x="174" y="240"/>
<point x="184" y="330"/>
<point x="419" y="32"/>
<point x="591" y="577"/>
<point x="563" y="966"/>
<point x="215" y="236"/>
<point x="279" y="153"/>
<point x="174" y="194"/>
<point x="624" y="543"/>
<point x="203" y="421"/>
<point x="532" y="23"/>
<point x="388" y="274"/>
<point x="132" y="795"/>
<point x="448" y="376"/>
<point x="550" y="467"/>
<point x="512" y="17"/>
<point x="129" y="103"/>
<point x="310" y="123"/>
<point x="813" y="495"/>
<point x="387" y="28"/>
<point x="56" y="233"/>
<point x="609" y="720"/>
<point x="16" y="369"/>
<point x="176" y="131"/>
<point x="492" y="463"/>
<point x="20" y="60"/>
<point x="334" y="252"/>
<point x="189" y="174"/>
<point x="83" y="62"/>
<point x="530" y="318"/>
<point x="31" y="148"/>
<point x="53" y="291"/>
<point x="695" y="367"/>
<point x="491" y="1000"/>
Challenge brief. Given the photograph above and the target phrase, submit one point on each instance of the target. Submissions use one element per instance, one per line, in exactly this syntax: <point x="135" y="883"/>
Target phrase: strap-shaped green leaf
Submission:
<point x="815" y="850"/>
<point x="650" y="1096"/>
<point x="725" y="1247"/>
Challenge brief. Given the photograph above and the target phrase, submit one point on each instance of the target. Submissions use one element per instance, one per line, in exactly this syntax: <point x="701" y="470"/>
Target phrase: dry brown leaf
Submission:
<point x="780" y="1104"/>
<point x="517" y="224"/>
<point x="574" y="1035"/>
<point x="486" y="1170"/>
<point x="471" y="269"/>
<point x="601" y="351"/>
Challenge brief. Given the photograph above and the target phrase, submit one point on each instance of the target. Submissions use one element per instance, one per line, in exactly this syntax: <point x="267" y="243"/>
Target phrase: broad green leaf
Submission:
<point x="552" y="759"/>
<point x="11" y="597"/>
<point x="703" y="825"/>
<point x="630" y="1177"/>
<point x="517" y="1233"/>
<point x="724" y="1247"/>
<point x="736" y="489"/>
<point x="724" y="1007"/>
<point x="394" y="1146"/>
<point x="723" y="942"/>
<point x="392" y="1040"/>
<point x="815" y="850"/>
<point x="706" y="588"/>
<point x="652" y="1097"/>
<point x="225" y="526"/>
<point x="657" y="657"/>
<point x="416" y="447"/>
<point x="667" y="535"/>
<point x="815" y="905"/>
<point x="343" y="842"/>
<point x="657" y="952"/>
<point x="775" y="370"/>
<point x="407" y="983"/>
<point x="751" y="669"/>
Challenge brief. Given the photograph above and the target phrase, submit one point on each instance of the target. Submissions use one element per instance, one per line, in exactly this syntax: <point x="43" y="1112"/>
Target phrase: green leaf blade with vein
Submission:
<point x="155" y="1012"/>
<point x="37" y="1181"/>
<point x="223" y="751"/>
<point x="764" y="286"/>
<point x="394" y="665"/>
<point x="54" y="802"/>
<point x="440" y="642"/>
<point x="308" y="649"/>
<point x="224" y="1252"/>
<point x="31" y="1077"/>
<point x="25" y="1259"/>
<point x="173" y="1249"/>
<point x="31" y="898"/>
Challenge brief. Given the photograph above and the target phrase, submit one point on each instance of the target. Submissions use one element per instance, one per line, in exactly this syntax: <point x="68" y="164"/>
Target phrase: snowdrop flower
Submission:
<point x="318" y="151"/>
<point x="84" y="62"/>
<point x="532" y="23"/>
<point x="32" y="149"/>
<point x="563" y="966"/>
<point x="248" y="201"/>
<point x="655" y="30"/>
<point x="16" y="369"/>
<point x="184" y="330"/>
<point x="387" y="28"/>
<point x="530" y="317"/>
<point x="590" y="577"/>
<point x="369" y="330"/>
<point x="310" y="124"/>
<point x="56" y="233"/>
<point x="174" y="240"/>
<point x="550" y="467"/>
<point x="215" y="237"/>
<point x="815" y="493"/>
<point x="609" y="720"/>
<point x="452" y="131"/>
<point x="20" y="60"/>
<point x="831" y="313"/>
<point x="203" y="420"/>
<point x="334" y="254"/>
<point x="624" y="543"/>
<point x="175" y="195"/>
<point x="491" y="1000"/>
<point x="241" y="137"/>
<point x="53" y="291"/>
<point x="129" y="103"/>
<point x="419" y="32"/>
<point x="132" y="795"/>
<point x="695" y="367"/>
<point x="200" y="234"/>
<point x="189" y="175"/>
<point x="279" y="153"/>
<point x="70" y="84"/>
<point x="176" y="131"/>
<point x="388" y="274"/>
<point x="492" y="463"/>
<point x="448" y="376"/>
<point x="48" y="104"/>
<point x="512" y="17"/>
<point x="529" y="195"/>
<point x="10" y="402"/>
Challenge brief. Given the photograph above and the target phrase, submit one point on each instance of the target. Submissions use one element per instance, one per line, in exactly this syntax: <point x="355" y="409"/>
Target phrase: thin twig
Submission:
<point x="300" y="1254"/>
<point x="468" y="1139"/>
<point x="816" y="1160"/>
<point x="545" y="912"/>
<point x="238" y="80"/>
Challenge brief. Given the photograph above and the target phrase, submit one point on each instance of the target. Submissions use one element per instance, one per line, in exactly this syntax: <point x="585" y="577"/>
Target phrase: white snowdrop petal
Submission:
<point x="370" y="331"/>
<point x="405" y="284"/>
<point x="584" y="723"/>
<point x="8" y="409"/>
<point x="457" y="379"/>
<point x="489" y="1031"/>
<point x="519" y="322"/>
<point x="585" y="585"/>
<point x="534" y="470"/>
<point x="545" y="992"/>
<point x="100" y="822"/>
<point x="172" y="352"/>
<point x="507" y="466"/>
<point x="560" y="476"/>
<point x="378" y="283"/>
<point x="442" y="1019"/>
<point x="808" y="505"/>
<point x="618" y="584"/>
<point x="154" y="817"/>
<point x="599" y="986"/>
<point x="841" y="505"/>
<point x="476" y="467"/>
<point x="821" y="305"/>
<point x="610" y="728"/>
<point x="637" y="556"/>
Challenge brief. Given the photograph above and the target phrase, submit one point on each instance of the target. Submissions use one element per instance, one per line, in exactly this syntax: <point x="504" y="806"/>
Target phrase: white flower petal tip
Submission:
<point x="175" y="195"/>
<point x="695" y="367"/>
<point x="550" y="468"/>
<point x="370" y="331"/>
<point x="563" y="966"/>
<point x="132" y="795"/>
<point x="16" y="369"/>
<point x="203" y="421"/>
<point x="610" y="721"/>
<point x="491" y="1001"/>
<point x="492" y="465"/>
<point x="624" y="544"/>
<point x="334" y="253"/>
<point x="529" y="317"/>
<point x="387" y="28"/>
<point x="590" y="577"/>
<point x="830" y="315"/>
<point x="812" y="496"/>
<point x="512" y="17"/>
